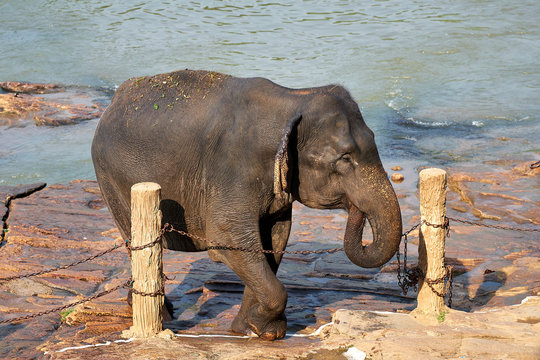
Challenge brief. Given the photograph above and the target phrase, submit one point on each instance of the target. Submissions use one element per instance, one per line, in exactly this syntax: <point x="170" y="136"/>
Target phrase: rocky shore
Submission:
<point x="46" y="226"/>
<point x="335" y="309"/>
<point x="49" y="104"/>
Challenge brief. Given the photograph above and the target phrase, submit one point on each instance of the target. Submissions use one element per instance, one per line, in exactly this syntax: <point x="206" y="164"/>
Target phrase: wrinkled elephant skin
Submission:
<point x="231" y="155"/>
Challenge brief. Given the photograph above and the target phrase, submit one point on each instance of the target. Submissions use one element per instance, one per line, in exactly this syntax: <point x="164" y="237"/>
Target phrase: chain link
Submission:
<point x="159" y="292"/>
<point x="409" y="278"/>
<point x="445" y="225"/>
<point x="535" y="165"/>
<point x="170" y="228"/>
<point x="157" y="240"/>
<point x="500" y="227"/>
<point x="214" y="246"/>
<point x="446" y="279"/>
<point x="127" y="284"/>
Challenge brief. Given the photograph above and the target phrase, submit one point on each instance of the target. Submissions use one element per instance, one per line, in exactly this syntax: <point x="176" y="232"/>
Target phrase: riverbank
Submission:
<point x="453" y="86"/>
<point x="495" y="270"/>
<point x="503" y="333"/>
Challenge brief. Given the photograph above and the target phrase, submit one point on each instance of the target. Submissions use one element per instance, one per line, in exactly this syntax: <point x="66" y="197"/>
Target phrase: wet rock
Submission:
<point x="397" y="177"/>
<point x="524" y="169"/>
<point x="27" y="287"/>
<point x="462" y="265"/>
<point x="7" y="194"/>
<point x="55" y="106"/>
<point x="498" y="196"/>
<point x="56" y="118"/>
<point x="110" y="311"/>
<point x="50" y="227"/>
<point x="29" y="88"/>
<point x="397" y="168"/>
<point x="333" y="354"/>
<point x="13" y="108"/>
<point x="67" y="221"/>
<point x="59" y="216"/>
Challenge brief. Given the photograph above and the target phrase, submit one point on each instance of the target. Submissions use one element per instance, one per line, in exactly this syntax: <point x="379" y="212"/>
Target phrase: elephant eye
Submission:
<point x="345" y="163"/>
<point x="347" y="158"/>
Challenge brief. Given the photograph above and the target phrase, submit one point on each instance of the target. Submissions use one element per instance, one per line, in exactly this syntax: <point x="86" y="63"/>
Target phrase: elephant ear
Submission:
<point x="281" y="164"/>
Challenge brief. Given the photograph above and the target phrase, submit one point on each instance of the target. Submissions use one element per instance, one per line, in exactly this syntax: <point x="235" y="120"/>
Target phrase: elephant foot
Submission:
<point x="273" y="329"/>
<point x="270" y="330"/>
<point x="240" y="325"/>
<point x="267" y="329"/>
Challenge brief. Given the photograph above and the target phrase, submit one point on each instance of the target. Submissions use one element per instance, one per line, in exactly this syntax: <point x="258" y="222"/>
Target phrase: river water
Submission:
<point x="453" y="83"/>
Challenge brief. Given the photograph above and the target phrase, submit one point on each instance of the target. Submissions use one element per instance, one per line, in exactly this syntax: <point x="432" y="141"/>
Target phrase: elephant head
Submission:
<point x="328" y="159"/>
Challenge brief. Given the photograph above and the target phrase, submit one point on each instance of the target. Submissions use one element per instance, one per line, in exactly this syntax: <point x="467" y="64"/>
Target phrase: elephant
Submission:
<point x="232" y="155"/>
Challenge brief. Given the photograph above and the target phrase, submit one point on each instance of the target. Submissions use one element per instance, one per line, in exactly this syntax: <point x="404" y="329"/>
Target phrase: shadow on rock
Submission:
<point x="208" y="297"/>
<point x="476" y="288"/>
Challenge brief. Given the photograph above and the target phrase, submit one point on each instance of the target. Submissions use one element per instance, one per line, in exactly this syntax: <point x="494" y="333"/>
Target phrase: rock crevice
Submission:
<point x="7" y="195"/>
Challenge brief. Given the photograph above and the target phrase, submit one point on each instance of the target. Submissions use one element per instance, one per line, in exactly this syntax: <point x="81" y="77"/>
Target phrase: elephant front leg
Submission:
<point x="274" y="236"/>
<point x="265" y="297"/>
<point x="240" y="324"/>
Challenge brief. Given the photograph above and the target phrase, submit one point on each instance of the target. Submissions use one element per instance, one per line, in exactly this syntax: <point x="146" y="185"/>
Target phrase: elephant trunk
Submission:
<point x="384" y="216"/>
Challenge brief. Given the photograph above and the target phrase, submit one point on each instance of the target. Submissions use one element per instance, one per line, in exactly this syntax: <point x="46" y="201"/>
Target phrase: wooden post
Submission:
<point x="431" y="245"/>
<point x="146" y="264"/>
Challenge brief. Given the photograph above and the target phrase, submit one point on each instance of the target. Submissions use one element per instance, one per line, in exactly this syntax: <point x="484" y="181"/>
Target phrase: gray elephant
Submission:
<point x="231" y="155"/>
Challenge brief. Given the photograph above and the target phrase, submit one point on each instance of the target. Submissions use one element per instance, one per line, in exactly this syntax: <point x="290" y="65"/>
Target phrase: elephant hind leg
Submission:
<point x="119" y="208"/>
<point x="274" y="235"/>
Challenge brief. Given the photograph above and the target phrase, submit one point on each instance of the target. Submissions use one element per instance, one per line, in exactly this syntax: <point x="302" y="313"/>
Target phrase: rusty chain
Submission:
<point x="445" y="225"/>
<point x="407" y="278"/>
<point x="214" y="246"/>
<point x="170" y="228"/>
<point x="445" y="279"/>
<point x="127" y="284"/>
<point x="499" y="227"/>
<point x="150" y="244"/>
<point x="60" y="308"/>
<point x="160" y="291"/>
<point x="157" y="240"/>
<point x="62" y="267"/>
<point x="95" y="256"/>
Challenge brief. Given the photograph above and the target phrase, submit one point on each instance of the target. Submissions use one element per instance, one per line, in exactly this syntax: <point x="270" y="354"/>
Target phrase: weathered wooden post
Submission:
<point x="146" y="264"/>
<point x="431" y="244"/>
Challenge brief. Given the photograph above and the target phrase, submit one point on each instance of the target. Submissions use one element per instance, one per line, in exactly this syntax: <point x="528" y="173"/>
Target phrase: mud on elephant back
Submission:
<point x="232" y="155"/>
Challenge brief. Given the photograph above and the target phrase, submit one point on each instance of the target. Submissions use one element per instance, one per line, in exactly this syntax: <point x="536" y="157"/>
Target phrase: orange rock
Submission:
<point x="14" y="108"/>
<point x="29" y="88"/>
<point x="63" y="109"/>
<point x="397" y="177"/>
